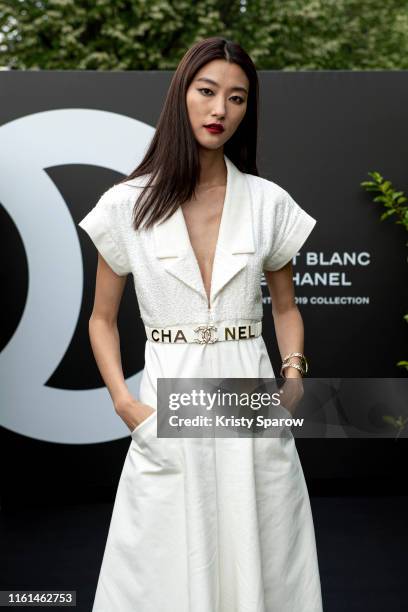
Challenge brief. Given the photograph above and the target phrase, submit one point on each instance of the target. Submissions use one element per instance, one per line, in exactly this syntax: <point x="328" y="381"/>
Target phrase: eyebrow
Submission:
<point x="235" y="88"/>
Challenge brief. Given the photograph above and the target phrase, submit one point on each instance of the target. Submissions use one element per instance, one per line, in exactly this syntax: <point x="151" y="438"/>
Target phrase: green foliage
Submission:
<point x="154" y="34"/>
<point x="398" y="423"/>
<point x="101" y="34"/>
<point x="394" y="202"/>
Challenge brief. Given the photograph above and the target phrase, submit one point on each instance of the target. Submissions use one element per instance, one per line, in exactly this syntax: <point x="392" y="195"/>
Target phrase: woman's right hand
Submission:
<point x="133" y="412"/>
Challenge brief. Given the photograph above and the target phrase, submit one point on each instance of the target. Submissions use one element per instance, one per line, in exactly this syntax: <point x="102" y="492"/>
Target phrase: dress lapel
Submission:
<point x="235" y="239"/>
<point x="173" y="247"/>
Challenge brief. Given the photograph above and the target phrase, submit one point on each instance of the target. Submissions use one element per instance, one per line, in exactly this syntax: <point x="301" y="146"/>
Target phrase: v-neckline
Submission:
<point x="218" y="240"/>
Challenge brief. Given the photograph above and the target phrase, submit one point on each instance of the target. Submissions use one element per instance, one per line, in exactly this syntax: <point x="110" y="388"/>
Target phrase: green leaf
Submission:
<point x="390" y="419"/>
<point x="388" y="213"/>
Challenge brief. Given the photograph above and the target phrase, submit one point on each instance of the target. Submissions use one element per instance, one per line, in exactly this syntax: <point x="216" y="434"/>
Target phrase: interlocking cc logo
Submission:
<point x="206" y="334"/>
<point x="27" y="146"/>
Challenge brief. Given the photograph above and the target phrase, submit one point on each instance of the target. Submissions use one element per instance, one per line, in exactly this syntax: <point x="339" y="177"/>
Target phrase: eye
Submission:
<point x="240" y="100"/>
<point x="205" y="89"/>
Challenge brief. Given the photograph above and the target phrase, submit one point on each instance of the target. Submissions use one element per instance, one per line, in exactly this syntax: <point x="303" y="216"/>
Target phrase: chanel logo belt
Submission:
<point x="207" y="333"/>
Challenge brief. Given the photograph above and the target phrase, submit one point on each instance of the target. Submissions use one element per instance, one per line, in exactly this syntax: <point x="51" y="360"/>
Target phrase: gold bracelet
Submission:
<point x="292" y="365"/>
<point x="305" y="364"/>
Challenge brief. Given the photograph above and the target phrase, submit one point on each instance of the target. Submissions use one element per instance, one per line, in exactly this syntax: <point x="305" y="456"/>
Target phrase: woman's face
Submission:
<point x="217" y="94"/>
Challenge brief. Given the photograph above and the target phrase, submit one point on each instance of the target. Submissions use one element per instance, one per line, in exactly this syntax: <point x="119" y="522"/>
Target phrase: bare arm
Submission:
<point x="105" y="342"/>
<point x="287" y="318"/>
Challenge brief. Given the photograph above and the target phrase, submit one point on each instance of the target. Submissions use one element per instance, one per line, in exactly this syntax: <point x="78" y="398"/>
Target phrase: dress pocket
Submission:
<point x="141" y="426"/>
<point x="157" y="455"/>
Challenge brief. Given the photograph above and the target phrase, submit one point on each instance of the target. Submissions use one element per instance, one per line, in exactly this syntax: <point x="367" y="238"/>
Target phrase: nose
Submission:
<point x="219" y="107"/>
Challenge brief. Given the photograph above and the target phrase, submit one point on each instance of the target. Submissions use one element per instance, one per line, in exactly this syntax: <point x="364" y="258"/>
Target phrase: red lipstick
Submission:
<point x="214" y="128"/>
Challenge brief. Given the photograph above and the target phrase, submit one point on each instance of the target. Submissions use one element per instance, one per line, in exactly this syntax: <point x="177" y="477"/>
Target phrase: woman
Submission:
<point x="203" y="524"/>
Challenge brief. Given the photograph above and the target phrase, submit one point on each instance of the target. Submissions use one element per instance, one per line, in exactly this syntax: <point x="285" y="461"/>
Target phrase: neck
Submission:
<point x="213" y="171"/>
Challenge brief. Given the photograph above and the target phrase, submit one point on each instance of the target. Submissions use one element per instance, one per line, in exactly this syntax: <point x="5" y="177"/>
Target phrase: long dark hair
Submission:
<point x="172" y="159"/>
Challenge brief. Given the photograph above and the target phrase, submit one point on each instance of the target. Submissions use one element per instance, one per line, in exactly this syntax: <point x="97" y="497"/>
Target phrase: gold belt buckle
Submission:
<point x="206" y="334"/>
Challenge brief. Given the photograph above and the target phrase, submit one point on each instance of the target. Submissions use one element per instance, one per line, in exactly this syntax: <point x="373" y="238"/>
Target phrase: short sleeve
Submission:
<point x="291" y="226"/>
<point x="103" y="224"/>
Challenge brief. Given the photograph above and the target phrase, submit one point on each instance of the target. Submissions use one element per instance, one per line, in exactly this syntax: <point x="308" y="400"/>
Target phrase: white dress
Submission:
<point x="206" y="524"/>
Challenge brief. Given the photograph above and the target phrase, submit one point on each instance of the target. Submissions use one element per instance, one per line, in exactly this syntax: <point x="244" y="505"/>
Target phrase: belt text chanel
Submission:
<point x="206" y="333"/>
